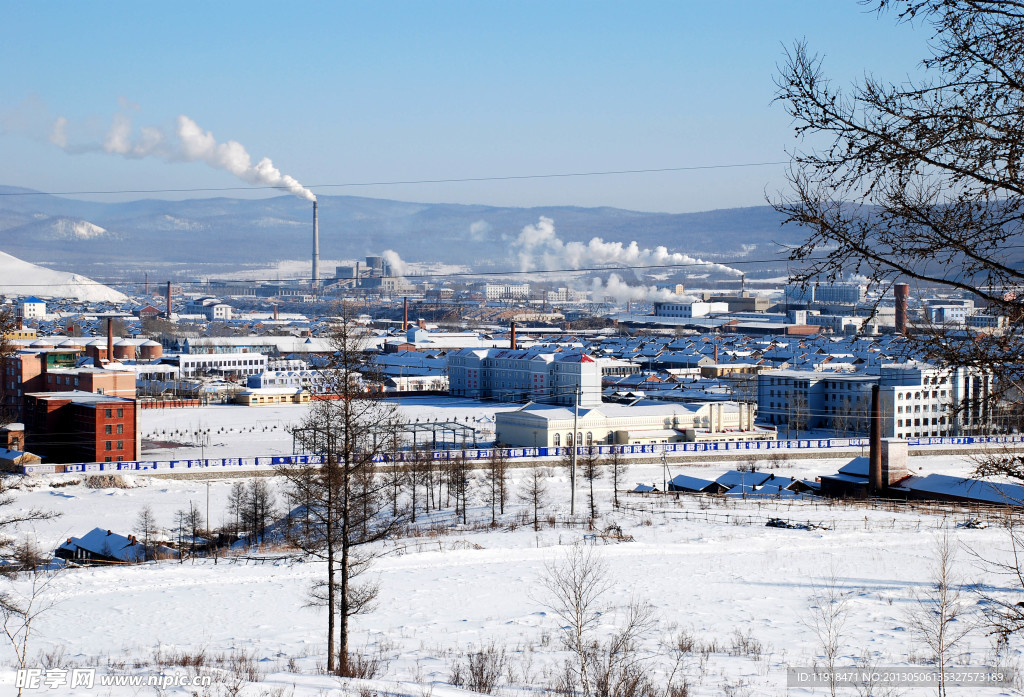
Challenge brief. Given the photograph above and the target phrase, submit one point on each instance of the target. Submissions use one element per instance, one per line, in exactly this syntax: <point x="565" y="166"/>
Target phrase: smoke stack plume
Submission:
<point x="902" y="292"/>
<point x="186" y="142"/>
<point x="316" y="246"/>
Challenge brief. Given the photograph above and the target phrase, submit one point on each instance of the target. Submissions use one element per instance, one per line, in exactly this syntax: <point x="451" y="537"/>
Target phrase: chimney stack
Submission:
<point x="513" y="337"/>
<point x="405" y="314"/>
<point x="316" y="246"/>
<point x="877" y="484"/>
<point x="901" y="291"/>
<point x="20" y="322"/>
<point x="110" y="339"/>
<point x="168" y="300"/>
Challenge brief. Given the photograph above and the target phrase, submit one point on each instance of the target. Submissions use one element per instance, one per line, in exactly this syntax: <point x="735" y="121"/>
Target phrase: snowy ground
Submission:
<point x="712" y="569"/>
<point x="235" y="431"/>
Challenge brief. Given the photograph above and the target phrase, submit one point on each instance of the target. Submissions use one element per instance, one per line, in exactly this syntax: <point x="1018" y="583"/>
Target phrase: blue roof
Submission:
<point x="734" y="478"/>
<point x="33" y="299"/>
<point x="970" y="489"/>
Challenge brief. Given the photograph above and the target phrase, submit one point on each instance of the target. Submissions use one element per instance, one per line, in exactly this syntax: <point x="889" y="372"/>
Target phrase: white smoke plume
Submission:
<point x="621" y="291"/>
<point x="539" y="247"/>
<point x="398" y="267"/>
<point x="187" y="142"/>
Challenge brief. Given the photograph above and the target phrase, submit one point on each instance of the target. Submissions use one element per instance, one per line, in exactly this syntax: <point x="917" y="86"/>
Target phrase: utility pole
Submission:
<point x="572" y="471"/>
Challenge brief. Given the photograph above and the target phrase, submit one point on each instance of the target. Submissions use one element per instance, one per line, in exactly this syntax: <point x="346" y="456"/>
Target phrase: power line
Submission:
<point x="407" y="182"/>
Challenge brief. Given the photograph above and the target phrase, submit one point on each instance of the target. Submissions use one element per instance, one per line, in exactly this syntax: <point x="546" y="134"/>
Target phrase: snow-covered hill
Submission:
<point x="18" y="277"/>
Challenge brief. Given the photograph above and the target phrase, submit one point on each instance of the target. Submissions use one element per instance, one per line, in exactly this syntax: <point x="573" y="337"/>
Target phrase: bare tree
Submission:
<point x="236" y="504"/>
<point x="617" y="464"/>
<point x="257" y="508"/>
<point x="20" y="611"/>
<point x="534" y="491"/>
<point x="920" y="180"/>
<point x="576" y="588"/>
<point x="828" y="613"/>
<point x="495" y="481"/>
<point x="145" y="525"/>
<point x="349" y="501"/>
<point x="940" y="617"/>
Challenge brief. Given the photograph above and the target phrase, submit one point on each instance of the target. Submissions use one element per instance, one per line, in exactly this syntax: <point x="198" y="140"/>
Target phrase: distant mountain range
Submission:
<point x="104" y="239"/>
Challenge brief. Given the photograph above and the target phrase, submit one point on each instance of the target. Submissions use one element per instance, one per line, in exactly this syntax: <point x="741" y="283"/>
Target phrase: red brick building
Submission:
<point x="77" y="426"/>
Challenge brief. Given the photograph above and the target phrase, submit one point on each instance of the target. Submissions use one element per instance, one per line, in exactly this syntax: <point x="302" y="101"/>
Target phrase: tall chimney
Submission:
<point x="513" y="337"/>
<point x="902" y="292"/>
<point x="405" y="314"/>
<point x="168" y="300"/>
<point x="147" y="285"/>
<point x="875" y="449"/>
<point x="21" y="322"/>
<point x="275" y="312"/>
<point x="357" y="274"/>
<point x="316" y="246"/>
<point x="110" y="339"/>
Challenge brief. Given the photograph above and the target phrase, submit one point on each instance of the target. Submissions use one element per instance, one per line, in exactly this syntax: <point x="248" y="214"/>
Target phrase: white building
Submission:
<point x="507" y="291"/>
<point x="198" y="364"/>
<point x="689" y="310"/>
<point x="211" y="308"/>
<point x="920" y="400"/>
<point x="545" y="425"/>
<point x="31" y="307"/>
<point x="539" y="373"/>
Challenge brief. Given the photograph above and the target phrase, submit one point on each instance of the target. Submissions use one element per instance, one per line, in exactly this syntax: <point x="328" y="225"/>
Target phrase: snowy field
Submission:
<point x="710" y="569"/>
<point x="235" y="431"/>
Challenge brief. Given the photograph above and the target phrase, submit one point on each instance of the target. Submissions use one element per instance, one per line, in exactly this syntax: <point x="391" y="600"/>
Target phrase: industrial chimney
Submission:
<point x="316" y="246"/>
<point x="902" y="292"/>
<point x="110" y="339"/>
<point x="512" y="338"/>
<point x="168" y="300"/>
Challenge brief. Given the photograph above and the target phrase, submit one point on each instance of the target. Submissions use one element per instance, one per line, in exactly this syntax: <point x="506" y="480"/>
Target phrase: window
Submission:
<point x="108" y="413"/>
<point x="107" y="458"/>
<point x="120" y="445"/>
<point x="106" y="429"/>
<point x="120" y="413"/>
<point x="557" y="439"/>
<point x="120" y="428"/>
<point x="107" y="446"/>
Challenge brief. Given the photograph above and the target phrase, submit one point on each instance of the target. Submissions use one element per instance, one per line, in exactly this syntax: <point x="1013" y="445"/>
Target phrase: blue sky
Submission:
<point x="350" y="92"/>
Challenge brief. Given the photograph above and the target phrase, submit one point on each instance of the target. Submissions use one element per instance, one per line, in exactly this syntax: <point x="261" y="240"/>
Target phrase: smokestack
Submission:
<point x="405" y="314"/>
<point x="512" y="344"/>
<point x="316" y="246"/>
<point x="110" y="339"/>
<point x="168" y="300"/>
<point x="21" y="322"/>
<point x="147" y="285"/>
<point x="875" y="450"/>
<point x="902" y="292"/>
<point x="275" y="312"/>
<point x="357" y="274"/>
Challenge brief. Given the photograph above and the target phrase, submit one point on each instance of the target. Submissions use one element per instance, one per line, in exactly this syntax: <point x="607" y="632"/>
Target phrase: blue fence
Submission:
<point x="511" y="453"/>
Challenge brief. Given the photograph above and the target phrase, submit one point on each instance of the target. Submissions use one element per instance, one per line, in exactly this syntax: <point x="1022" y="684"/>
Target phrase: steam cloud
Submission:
<point x="186" y="143"/>
<point x="540" y="248"/>
<point x="398" y="267"/>
<point x="622" y="292"/>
